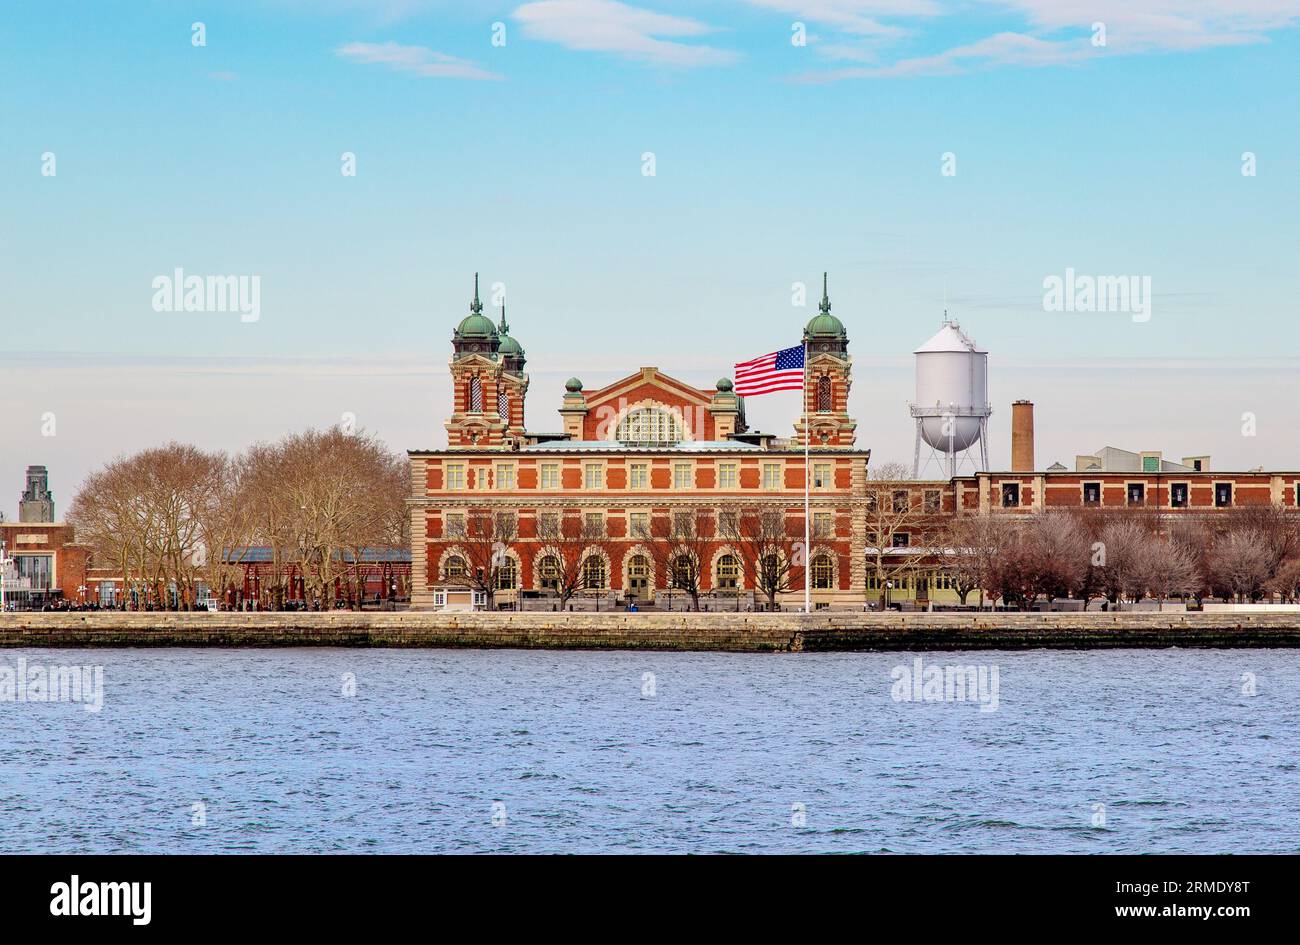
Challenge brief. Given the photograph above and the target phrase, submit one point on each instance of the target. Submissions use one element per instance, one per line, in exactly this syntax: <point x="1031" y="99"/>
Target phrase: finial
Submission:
<point x="504" y="327"/>
<point x="476" y="307"/>
<point x="825" y="307"/>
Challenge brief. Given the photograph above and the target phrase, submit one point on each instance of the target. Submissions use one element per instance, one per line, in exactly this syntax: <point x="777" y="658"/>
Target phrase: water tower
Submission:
<point x="952" y="403"/>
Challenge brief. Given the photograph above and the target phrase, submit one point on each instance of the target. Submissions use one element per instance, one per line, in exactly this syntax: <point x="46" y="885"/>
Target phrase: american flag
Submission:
<point x="780" y="370"/>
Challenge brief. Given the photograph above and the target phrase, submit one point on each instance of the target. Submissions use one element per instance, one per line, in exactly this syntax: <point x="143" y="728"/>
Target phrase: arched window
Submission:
<point x="507" y="574"/>
<point x="548" y="572"/>
<point x="728" y="572"/>
<point x="823" y="573"/>
<point x="593" y="572"/>
<point x="475" y="394"/>
<point x="455" y="569"/>
<point x="824" y="394"/>
<point x="503" y="405"/>
<point x="683" y="572"/>
<point x="649" y="425"/>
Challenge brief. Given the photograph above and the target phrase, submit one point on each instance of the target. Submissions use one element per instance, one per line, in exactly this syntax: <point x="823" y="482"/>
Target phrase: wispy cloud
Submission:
<point x="415" y="60"/>
<point x="1055" y="32"/>
<point x="627" y="31"/>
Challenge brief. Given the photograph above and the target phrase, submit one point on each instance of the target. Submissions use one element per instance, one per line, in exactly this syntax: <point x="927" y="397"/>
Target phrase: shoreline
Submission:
<point x="686" y="632"/>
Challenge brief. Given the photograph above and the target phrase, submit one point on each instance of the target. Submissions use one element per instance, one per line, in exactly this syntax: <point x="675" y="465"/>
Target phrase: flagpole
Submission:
<point x="807" y="478"/>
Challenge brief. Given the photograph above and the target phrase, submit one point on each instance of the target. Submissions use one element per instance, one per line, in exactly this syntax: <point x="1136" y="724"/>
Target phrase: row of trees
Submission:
<point x="1247" y="554"/>
<point x="171" y="517"/>
<point x="768" y="552"/>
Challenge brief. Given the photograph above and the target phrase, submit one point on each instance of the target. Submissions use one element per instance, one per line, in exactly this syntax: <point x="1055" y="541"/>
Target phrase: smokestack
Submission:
<point x="1022" y="436"/>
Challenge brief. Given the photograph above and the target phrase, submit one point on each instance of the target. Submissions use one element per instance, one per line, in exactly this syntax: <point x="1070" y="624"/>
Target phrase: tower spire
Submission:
<point x="476" y="307"/>
<point x="825" y="306"/>
<point x="504" y="327"/>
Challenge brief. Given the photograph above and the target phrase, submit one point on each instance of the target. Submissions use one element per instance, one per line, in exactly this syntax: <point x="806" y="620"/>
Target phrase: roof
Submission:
<point x="950" y="338"/>
<point x="616" y="446"/>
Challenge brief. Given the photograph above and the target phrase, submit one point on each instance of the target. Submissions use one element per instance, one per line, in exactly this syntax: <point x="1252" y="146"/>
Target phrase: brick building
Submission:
<point x="635" y="465"/>
<point x="47" y="563"/>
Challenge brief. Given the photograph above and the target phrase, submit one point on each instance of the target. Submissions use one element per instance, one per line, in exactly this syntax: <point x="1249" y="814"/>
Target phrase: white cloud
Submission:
<point x="631" y="32"/>
<point x="1055" y="32"/>
<point x="416" y="60"/>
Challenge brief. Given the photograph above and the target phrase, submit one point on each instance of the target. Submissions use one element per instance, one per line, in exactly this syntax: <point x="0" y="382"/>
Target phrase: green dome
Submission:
<point x="476" y="326"/>
<point x="573" y="385"/>
<point x="510" y="346"/>
<point x="825" y="324"/>
<point x="724" y="384"/>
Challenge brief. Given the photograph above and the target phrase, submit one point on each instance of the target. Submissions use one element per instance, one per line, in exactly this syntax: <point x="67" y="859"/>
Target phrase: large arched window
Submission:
<point x="548" y="572"/>
<point x="503" y="404"/>
<point x="649" y="425"/>
<point x="475" y="394"/>
<point x="823" y="573"/>
<point x="824" y="394"/>
<point x="455" y="569"/>
<point x="593" y="573"/>
<point x="728" y="572"/>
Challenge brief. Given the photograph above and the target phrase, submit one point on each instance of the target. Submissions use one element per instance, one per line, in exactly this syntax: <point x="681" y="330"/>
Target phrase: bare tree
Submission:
<point x="487" y="537"/>
<point x="565" y="542"/>
<point x="1240" y="565"/>
<point x="1166" y="569"/>
<point x="973" y="545"/>
<point x="769" y="554"/>
<point x="678" y="544"/>
<point x="895" y="518"/>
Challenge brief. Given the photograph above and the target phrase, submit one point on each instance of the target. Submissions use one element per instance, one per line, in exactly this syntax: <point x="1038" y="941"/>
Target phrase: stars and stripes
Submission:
<point x="780" y="370"/>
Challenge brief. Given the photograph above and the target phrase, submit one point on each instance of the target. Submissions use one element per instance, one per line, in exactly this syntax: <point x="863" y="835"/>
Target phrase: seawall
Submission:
<point x="676" y="631"/>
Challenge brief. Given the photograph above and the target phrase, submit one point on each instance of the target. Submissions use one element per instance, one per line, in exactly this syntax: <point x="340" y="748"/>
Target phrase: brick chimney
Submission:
<point x="1022" y="436"/>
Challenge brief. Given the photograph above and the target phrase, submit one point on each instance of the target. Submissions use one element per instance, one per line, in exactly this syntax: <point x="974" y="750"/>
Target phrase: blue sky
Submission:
<point x="523" y="161"/>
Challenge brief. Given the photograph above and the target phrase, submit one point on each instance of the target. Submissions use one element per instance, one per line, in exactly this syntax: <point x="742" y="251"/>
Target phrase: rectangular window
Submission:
<point x="901" y="540"/>
<point x="594" y="523"/>
<point x="726" y="475"/>
<point x="900" y="500"/>
<point x="550" y="476"/>
<point x="1222" y="494"/>
<point x="548" y="525"/>
<point x="439" y="598"/>
<point x="1137" y="493"/>
<point x="771" y="475"/>
<point x="933" y="500"/>
<point x="456" y="524"/>
<point x="682" y="478"/>
<point x="1092" y="493"/>
<point x="821" y="475"/>
<point x="1010" y="495"/>
<point x="1178" y="495"/>
<point x="638" y="524"/>
<point x="822" y="524"/>
<point x="455" y="476"/>
<point x="593" y="476"/>
<point x="505" y="476"/>
<point x="638" y="476"/>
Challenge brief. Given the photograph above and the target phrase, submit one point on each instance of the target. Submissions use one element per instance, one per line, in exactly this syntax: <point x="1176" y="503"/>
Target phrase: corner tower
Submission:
<point x="827" y="378"/>
<point x="488" y="382"/>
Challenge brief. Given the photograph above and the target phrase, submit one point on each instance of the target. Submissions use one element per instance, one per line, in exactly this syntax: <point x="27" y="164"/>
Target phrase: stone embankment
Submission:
<point x="676" y="631"/>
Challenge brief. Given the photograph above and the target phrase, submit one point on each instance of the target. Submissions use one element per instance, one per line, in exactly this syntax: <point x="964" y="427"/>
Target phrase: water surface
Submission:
<point x="539" y="751"/>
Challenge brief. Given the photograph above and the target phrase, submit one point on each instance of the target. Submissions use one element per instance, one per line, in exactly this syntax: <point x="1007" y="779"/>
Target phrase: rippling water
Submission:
<point x="715" y="761"/>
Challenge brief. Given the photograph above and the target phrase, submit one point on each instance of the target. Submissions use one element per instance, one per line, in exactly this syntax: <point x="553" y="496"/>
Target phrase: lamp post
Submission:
<point x="889" y="588"/>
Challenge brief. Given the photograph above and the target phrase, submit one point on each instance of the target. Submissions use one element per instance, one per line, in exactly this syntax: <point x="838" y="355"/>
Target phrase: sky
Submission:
<point x="924" y="153"/>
